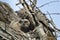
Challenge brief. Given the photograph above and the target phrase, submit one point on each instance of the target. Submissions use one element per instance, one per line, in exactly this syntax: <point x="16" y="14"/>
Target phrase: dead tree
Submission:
<point x="44" y="22"/>
<point x="29" y="24"/>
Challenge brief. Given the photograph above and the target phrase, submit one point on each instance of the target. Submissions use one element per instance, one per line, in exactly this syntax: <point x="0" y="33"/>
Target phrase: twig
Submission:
<point x="52" y="23"/>
<point x="48" y="3"/>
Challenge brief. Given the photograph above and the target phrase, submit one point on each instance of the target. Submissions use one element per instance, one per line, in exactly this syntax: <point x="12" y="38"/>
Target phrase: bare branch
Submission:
<point x="34" y="2"/>
<point x="28" y="10"/>
<point x="52" y="23"/>
<point x="48" y="3"/>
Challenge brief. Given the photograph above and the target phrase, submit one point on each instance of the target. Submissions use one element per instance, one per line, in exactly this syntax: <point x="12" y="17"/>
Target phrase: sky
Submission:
<point x="51" y="8"/>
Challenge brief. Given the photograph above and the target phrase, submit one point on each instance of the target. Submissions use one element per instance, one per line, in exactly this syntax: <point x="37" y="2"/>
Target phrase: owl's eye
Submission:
<point x="26" y="22"/>
<point x="20" y="21"/>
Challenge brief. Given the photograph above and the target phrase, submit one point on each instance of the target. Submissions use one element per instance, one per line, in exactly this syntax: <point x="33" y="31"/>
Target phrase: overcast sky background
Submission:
<point x="51" y="8"/>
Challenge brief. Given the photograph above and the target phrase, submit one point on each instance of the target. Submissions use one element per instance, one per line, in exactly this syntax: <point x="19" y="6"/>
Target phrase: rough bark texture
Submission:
<point x="27" y="24"/>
